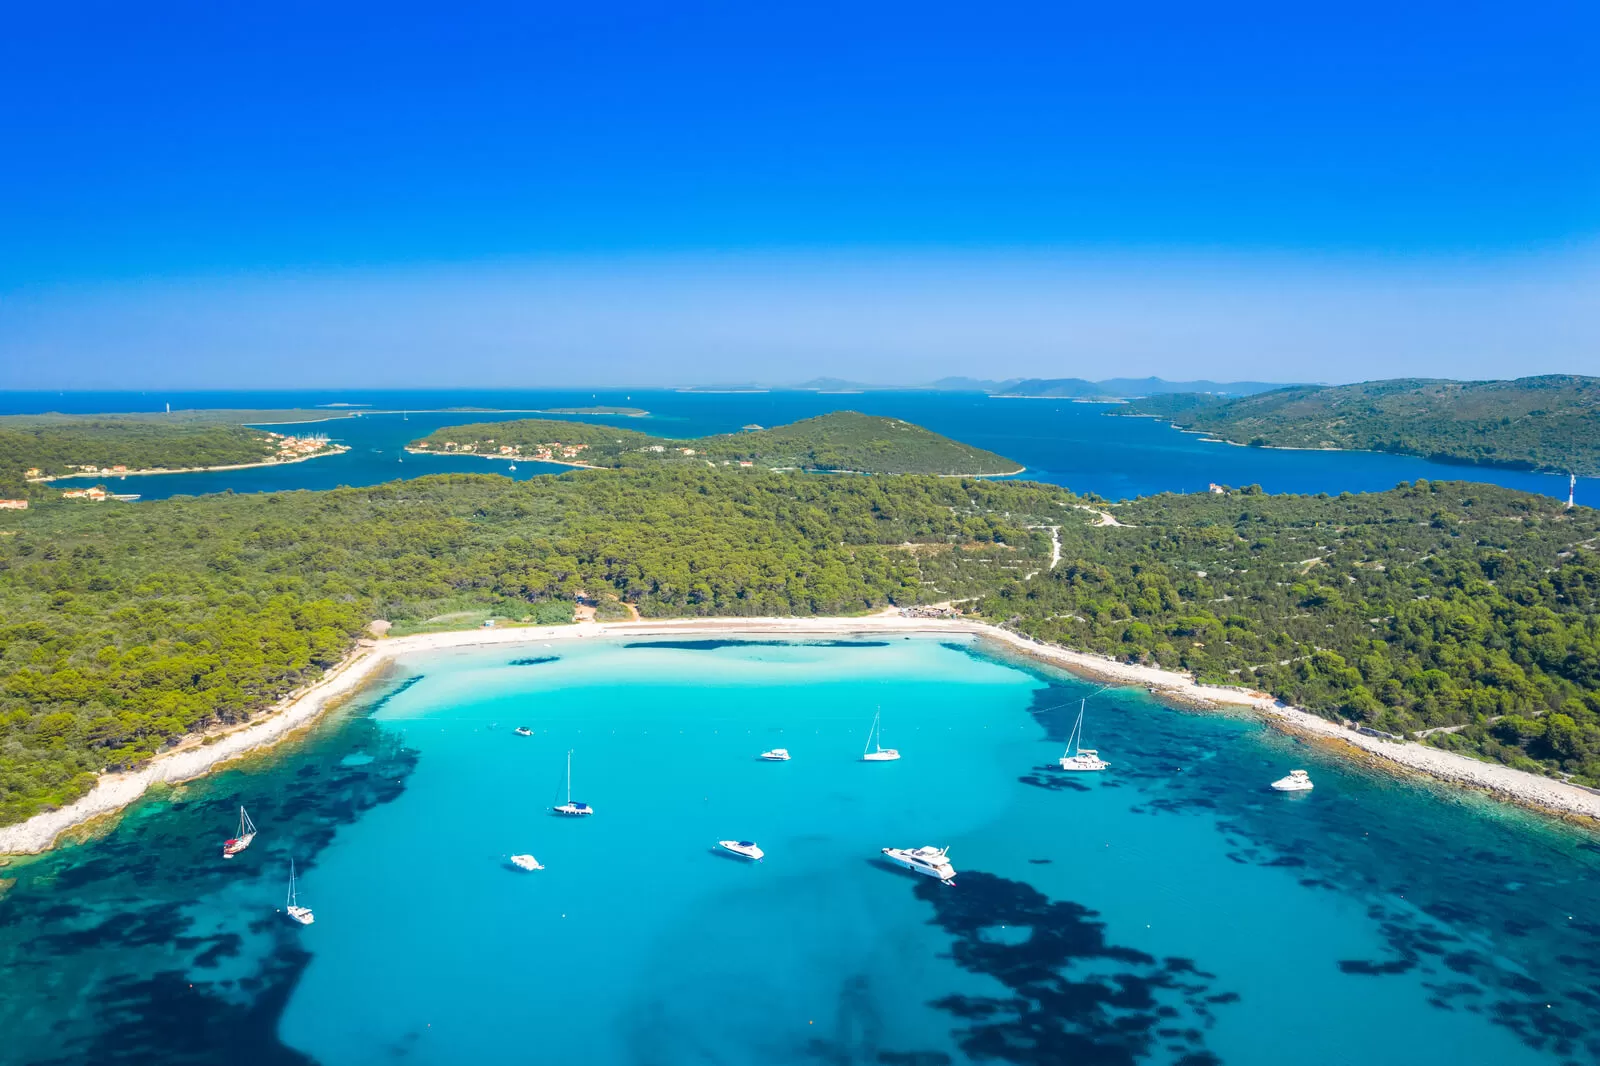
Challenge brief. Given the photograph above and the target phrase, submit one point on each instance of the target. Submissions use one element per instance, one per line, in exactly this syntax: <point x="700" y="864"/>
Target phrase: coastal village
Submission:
<point x="287" y="449"/>
<point x="553" y="452"/>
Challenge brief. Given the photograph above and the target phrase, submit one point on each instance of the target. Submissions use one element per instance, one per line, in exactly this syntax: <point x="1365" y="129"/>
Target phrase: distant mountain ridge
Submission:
<point x="1065" y="388"/>
<point x="1550" y="422"/>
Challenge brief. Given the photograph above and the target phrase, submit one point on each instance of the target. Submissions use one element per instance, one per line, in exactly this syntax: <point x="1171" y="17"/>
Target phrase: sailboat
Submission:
<point x="569" y="807"/>
<point x="247" y="833"/>
<point x="1081" y="759"/>
<point x="292" y="906"/>
<point x="875" y="751"/>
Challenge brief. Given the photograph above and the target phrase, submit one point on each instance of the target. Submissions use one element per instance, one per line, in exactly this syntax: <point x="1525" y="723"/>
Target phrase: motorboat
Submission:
<point x="523" y="731"/>
<point x="292" y="906"/>
<point x="526" y="862"/>
<point x="237" y="843"/>
<point x="935" y="862"/>
<point x="875" y="751"/>
<point x="776" y="755"/>
<point x="570" y="808"/>
<point x="1081" y="760"/>
<point x="1297" y="781"/>
<point x="746" y="848"/>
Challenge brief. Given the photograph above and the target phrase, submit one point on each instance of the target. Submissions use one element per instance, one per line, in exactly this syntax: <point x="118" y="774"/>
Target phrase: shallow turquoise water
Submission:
<point x="1171" y="910"/>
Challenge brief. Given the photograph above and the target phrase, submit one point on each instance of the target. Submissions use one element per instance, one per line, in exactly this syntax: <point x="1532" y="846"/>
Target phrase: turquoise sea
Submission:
<point x="1171" y="910"/>
<point x="1084" y="446"/>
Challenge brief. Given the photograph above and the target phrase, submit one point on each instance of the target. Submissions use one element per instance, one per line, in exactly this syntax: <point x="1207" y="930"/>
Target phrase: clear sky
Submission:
<point x="524" y="194"/>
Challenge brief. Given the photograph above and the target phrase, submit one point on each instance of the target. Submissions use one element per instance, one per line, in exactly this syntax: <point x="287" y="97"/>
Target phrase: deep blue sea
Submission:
<point x="1172" y="910"/>
<point x="1086" y="447"/>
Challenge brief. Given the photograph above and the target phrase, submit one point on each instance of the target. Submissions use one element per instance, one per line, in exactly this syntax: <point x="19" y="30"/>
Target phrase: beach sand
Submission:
<point x="194" y="757"/>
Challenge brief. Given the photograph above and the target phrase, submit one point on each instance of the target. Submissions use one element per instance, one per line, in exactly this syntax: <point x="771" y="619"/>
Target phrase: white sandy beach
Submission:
<point x="115" y="791"/>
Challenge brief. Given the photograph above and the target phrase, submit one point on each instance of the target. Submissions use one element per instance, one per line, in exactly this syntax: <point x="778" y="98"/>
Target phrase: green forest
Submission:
<point x="844" y="441"/>
<point x="1544" y="423"/>
<point x="53" y="444"/>
<point x="1435" y="604"/>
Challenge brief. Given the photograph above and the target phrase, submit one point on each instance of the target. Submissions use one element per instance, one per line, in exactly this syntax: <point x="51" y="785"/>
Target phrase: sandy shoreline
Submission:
<point x="338" y="449"/>
<point x="115" y="791"/>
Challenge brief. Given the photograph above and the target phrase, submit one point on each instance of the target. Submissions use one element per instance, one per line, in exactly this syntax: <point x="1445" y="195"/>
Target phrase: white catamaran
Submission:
<point x="569" y="807"/>
<point x="875" y="751"/>
<point x="247" y="833"/>
<point x="292" y="906"/>
<point x="1081" y="759"/>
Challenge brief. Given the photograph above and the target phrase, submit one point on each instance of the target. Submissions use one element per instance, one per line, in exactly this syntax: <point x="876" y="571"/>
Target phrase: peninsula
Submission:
<point x="841" y="442"/>
<point x="1549" y="423"/>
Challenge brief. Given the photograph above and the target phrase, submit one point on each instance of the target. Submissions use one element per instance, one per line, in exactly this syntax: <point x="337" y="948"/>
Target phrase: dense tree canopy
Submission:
<point x="840" y="441"/>
<point x="1457" y="605"/>
<point x="1548" y="423"/>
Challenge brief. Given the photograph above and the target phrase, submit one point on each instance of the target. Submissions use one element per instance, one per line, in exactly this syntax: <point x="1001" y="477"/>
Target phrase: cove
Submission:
<point x="1171" y="910"/>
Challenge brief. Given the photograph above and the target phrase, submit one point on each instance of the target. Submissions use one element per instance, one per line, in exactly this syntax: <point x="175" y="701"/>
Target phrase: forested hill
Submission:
<point x="1445" y="604"/>
<point x="1545" y="423"/>
<point x="55" y="445"/>
<point x="840" y="441"/>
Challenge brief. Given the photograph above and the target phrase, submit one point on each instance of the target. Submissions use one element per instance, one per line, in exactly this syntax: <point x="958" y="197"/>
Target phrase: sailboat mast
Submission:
<point x="569" y="775"/>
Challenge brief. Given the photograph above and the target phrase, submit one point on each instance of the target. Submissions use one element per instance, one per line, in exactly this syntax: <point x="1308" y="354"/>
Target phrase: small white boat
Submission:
<point x="247" y="833"/>
<point x="776" y="755"/>
<point x="570" y="808"/>
<point x="526" y="862"/>
<point x="746" y="848"/>
<point x="875" y="751"/>
<point x="935" y="862"/>
<point x="292" y="907"/>
<point x="523" y="731"/>
<point x="1297" y="781"/>
<point x="1081" y="760"/>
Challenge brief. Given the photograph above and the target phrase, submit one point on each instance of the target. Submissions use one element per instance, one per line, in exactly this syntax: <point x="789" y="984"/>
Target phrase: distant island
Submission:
<point x="840" y="442"/>
<point x="1549" y="423"/>
<point x="626" y="412"/>
<point x="1052" y="388"/>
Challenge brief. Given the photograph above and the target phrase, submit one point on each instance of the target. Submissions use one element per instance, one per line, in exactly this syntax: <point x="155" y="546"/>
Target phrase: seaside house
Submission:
<point x="746" y="462"/>
<point x="92" y="493"/>
<point x="13" y="505"/>
<point x="1218" y="489"/>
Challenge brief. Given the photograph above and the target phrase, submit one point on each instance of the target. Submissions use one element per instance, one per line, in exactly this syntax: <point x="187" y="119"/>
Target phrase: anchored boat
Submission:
<point x="247" y="833"/>
<point x="875" y="751"/>
<point x="570" y="808"/>
<point x="292" y="906"/>
<point x="744" y="848"/>
<point x="1081" y="759"/>
<point x="934" y="862"/>
<point x="776" y="755"/>
<point x="1297" y="781"/>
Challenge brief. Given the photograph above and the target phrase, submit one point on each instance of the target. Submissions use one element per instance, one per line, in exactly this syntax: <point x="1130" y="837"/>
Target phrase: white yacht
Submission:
<point x="875" y="751"/>
<point x="523" y="731"/>
<point x="746" y="848"/>
<point x="1081" y="760"/>
<point x="526" y="862"/>
<point x="1297" y="781"/>
<point x="935" y="862"/>
<point x="776" y="755"/>
<point x="292" y="906"/>
<point x="247" y="833"/>
<point x="569" y="807"/>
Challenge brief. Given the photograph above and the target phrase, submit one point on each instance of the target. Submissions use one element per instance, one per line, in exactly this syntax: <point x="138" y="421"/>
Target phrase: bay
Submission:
<point x="1084" y="446"/>
<point x="1171" y="910"/>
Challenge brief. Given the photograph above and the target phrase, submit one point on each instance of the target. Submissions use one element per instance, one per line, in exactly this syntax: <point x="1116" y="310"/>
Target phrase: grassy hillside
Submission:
<point x="843" y="440"/>
<point x="1545" y="423"/>
<point x="1456" y="605"/>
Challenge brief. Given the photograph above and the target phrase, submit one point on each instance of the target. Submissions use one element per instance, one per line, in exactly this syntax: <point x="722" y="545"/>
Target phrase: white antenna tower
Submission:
<point x="1572" y="489"/>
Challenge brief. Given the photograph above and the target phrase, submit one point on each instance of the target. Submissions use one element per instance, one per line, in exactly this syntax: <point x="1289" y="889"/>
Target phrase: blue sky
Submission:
<point x="540" y="194"/>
